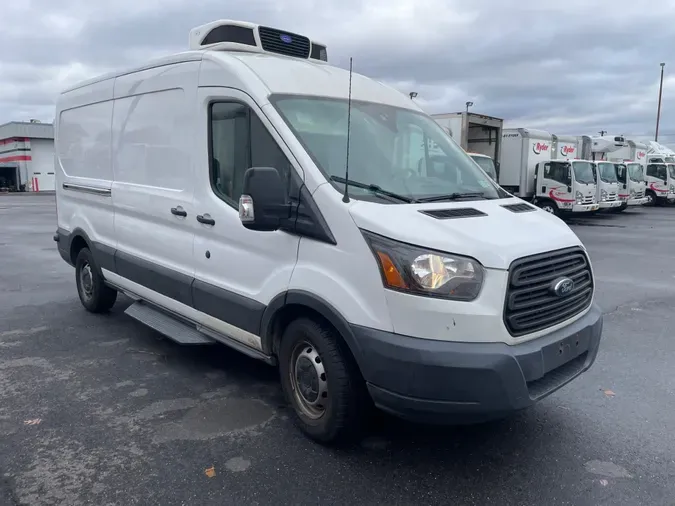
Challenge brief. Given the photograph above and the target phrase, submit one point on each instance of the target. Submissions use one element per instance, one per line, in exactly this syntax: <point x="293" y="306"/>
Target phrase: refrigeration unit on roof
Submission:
<point x="608" y="144"/>
<point x="229" y="35"/>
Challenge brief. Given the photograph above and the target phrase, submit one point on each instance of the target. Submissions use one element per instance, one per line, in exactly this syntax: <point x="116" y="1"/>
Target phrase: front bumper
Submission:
<point x="637" y="202"/>
<point x="451" y="382"/>
<point x="610" y="205"/>
<point x="584" y="208"/>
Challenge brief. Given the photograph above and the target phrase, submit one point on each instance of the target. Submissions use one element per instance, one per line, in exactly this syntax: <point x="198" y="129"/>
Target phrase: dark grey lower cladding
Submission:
<point x="436" y="381"/>
<point x="235" y="309"/>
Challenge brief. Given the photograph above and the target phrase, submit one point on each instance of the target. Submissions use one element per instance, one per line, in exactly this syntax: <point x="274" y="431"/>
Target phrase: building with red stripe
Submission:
<point x="27" y="156"/>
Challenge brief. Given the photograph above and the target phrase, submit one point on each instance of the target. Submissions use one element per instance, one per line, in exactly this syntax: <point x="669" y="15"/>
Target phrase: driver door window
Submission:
<point x="238" y="141"/>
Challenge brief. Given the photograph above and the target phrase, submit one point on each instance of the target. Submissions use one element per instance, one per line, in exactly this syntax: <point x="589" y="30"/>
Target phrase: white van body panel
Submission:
<point x="345" y="275"/>
<point x="153" y="139"/>
<point x="83" y="159"/>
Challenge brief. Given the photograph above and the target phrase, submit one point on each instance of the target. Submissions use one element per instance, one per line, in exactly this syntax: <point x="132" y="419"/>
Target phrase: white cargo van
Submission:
<point x="530" y="170"/>
<point x="213" y="188"/>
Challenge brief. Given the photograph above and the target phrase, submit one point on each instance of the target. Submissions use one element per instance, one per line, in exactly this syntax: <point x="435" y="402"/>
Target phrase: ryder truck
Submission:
<point x="555" y="184"/>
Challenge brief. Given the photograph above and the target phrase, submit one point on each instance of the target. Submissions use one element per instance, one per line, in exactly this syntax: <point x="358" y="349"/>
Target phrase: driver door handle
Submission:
<point x="206" y="219"/>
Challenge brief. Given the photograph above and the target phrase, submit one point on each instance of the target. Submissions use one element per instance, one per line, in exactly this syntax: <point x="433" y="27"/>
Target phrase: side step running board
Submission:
<point x="185" y="332"/>
<point x="164" y="324"/>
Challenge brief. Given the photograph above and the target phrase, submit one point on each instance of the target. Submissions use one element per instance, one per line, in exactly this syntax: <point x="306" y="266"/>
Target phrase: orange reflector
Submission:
<point x="391" y="274"/>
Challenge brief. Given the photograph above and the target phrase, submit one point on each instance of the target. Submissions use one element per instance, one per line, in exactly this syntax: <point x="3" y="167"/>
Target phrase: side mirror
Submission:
<point x="569" y="189"/>
<point x="262" y="204"/>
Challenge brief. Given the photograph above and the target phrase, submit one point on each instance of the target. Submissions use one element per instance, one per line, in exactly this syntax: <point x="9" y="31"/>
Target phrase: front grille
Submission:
<point x="612" y="197"/>
<point x="289" y="44"/>
<point x="588" y="199"/>
<point x="530" y="302"/>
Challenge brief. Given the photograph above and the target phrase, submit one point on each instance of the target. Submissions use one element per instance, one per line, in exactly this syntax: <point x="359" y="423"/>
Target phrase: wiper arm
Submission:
<point x="453" y="196"/>
<point x="373" y="188"/>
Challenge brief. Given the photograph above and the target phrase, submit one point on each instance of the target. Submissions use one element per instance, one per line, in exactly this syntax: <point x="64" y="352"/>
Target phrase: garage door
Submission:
<point x="42" y="164"/>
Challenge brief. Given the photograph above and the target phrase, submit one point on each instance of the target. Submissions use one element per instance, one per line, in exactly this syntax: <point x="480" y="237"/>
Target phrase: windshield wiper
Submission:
<point x="373" y="188"/>
<point x="453" y="196"/>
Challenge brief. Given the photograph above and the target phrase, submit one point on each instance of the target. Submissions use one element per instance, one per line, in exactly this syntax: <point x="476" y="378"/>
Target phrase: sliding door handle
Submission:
<point x="178" y="211"/>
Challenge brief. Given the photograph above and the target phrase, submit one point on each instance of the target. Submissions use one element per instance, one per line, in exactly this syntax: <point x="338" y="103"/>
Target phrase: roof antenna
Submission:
<point x="345" y="198"/>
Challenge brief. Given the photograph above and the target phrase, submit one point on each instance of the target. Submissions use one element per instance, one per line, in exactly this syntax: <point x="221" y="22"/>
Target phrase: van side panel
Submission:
<point x="152" y="145"/>
<point x="83" y="162"/>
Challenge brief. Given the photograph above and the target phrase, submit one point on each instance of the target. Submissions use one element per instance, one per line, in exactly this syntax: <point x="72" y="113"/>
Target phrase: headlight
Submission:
<point x="632" y="193"/>
<point x="419" y="271"/>
<point x="603" y="195"/>
<point x="672" y="188"/>
<point x="579" y="197"/>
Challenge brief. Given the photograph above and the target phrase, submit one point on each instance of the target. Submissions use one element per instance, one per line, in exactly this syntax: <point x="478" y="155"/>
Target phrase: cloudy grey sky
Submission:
<point x="571" y="67"/>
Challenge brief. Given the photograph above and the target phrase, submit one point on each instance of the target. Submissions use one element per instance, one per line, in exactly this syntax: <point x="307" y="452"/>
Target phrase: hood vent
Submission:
<point x="447" y="214"/>
<point x="519" y="208"/>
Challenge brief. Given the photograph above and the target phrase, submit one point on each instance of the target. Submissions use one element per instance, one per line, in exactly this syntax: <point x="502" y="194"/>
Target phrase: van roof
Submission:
<point x="282" y="75"/>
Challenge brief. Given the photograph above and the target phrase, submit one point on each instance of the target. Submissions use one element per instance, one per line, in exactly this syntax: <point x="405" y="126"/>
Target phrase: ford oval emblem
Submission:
<point x="562" y="287"/>
<point x="286" y="38"/>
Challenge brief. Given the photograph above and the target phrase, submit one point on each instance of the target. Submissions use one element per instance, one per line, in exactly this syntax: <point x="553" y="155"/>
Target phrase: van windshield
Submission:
<point x="397" y="150"/>
<point x="635" y="172"/>
<point x="583" y="172"/>
<point x="671" y="169"/>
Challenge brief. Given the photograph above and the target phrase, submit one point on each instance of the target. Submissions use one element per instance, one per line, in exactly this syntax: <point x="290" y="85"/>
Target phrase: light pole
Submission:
<point x="468" y="104"/>
<point x="658" y="111"/>
<point x="412" y="94"/>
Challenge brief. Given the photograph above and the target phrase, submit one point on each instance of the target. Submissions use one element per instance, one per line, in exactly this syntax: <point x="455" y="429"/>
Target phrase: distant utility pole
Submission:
<point x="658" y="110"/>
<point x="602" y="133"/>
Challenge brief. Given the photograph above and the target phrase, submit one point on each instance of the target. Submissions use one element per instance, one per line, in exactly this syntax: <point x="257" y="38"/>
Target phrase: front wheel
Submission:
<point x="95" y="295"/>
<point x="651" y="198"/>
<point x="549" y="207"/>
<point x="321" y="382"/>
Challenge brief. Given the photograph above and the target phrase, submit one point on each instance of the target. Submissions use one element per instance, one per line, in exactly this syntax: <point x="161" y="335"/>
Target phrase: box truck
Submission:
<point x="475" y="133"/>
<point x="529" y="171"/>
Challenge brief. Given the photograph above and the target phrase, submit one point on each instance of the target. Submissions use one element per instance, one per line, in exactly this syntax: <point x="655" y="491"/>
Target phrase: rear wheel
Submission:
<point x="321" y="382"/>
<point x="95" y="295"/>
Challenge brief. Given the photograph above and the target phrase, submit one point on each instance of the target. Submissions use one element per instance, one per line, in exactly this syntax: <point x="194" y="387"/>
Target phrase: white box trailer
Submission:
<point x="475" y="133"/>
<point x="529" y="171"/>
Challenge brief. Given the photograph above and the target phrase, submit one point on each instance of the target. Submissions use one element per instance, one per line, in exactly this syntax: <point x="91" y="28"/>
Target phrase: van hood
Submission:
<point x="495" y="240"/>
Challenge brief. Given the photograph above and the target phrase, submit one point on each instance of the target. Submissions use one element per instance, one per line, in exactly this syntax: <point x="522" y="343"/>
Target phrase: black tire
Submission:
<point x="549" y="206"/>
<point x="95" y="295"/>
<point x="342" y="402"/>
<point x="652" y="196"/>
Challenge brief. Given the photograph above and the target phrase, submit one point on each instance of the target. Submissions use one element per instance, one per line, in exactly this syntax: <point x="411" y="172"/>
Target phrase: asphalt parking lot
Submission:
<point x="100" y="410"/>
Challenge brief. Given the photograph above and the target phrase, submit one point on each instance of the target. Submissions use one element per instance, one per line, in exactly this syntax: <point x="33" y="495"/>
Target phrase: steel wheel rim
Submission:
<point x="308" y="380"/>
<point x="548" y="208"/>
<point x="87" y="281"/>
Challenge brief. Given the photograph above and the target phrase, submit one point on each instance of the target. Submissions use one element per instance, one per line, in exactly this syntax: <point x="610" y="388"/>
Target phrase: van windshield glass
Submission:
<point x="671" y="169"/>
<point x="607" y="172"/>
<point x="635" y="172"/>
<point x="398" y="150"/>
<point x="583" y="172"/>
<point x="486" y="164"/>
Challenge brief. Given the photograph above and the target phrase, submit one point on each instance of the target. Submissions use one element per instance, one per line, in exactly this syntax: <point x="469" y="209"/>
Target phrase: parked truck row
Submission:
<point x="566" y="174"/>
